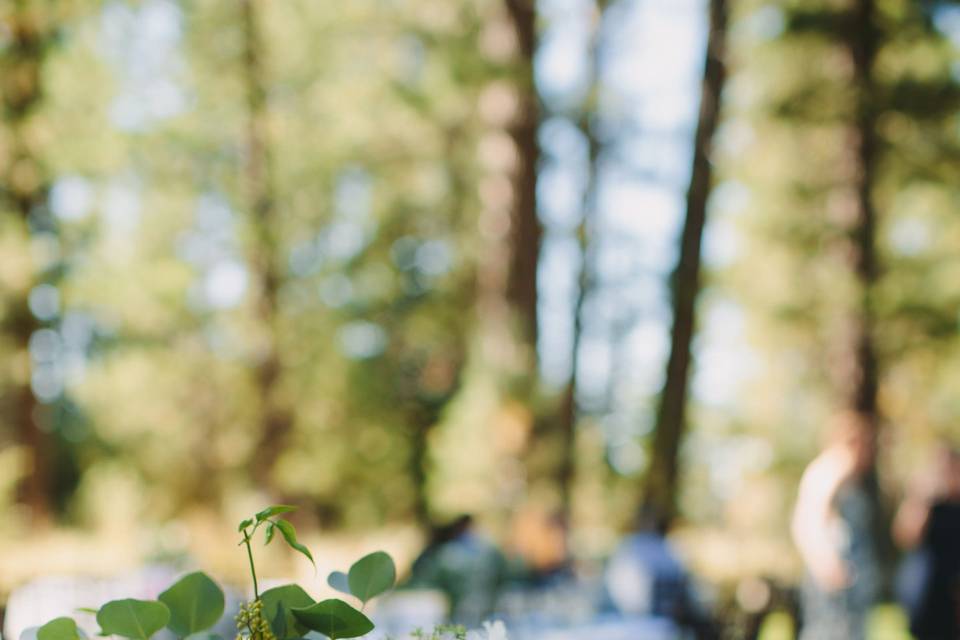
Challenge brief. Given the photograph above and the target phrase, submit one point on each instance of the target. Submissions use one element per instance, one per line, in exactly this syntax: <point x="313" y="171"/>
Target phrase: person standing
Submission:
<point x="832" y="527"/>
<point x="927" y="525"/>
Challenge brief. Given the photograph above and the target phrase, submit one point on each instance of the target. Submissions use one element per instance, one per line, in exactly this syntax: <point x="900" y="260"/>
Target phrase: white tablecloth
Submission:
<point x="602" y="629"/>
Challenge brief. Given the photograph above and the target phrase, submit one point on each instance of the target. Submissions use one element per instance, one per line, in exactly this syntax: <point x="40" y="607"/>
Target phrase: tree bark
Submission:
<point x="661" y="482"/>
<point x="525" y="229"/>
<point x="861" y="396"/>
<point x="25" y="185"/>
<point x="863" y="44"/>
<point x="276" y="418"/>
<point x="569" y="410"/>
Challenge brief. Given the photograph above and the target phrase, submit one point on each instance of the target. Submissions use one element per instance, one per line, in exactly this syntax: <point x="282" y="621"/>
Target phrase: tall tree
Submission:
<point x="661" y="480"/>
<point x="526" y="231"/>
<point x="569" y="410"/>
<point x="24" y="185"/>
<point x="275" y="417"/>
<point x="862" y="44"/>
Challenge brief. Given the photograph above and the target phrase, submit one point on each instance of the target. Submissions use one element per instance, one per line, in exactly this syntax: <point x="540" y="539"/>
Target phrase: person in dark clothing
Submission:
<point x="469" y="569"/>
<point x="928" y="525"/>
<point x="646" y="577"/>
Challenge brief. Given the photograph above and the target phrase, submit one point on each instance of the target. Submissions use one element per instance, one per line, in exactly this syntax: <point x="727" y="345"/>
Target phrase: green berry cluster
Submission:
<point x="251" y="625"/>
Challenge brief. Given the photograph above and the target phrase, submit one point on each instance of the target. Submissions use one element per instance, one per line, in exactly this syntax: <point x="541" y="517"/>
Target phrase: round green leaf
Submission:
<point x="339" y="581"/>
<point x="195" y="602"/>
<point x="138" y="619"/>
<point x="334" y="619"/>
<point x="281" y="600"/>
<point x="371" y="575"/>
<point x="59" y="629"/>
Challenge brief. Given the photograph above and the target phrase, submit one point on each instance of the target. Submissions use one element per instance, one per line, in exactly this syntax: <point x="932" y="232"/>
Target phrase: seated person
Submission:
<point x="645" y="577"/>
<point x="465" y="566"/>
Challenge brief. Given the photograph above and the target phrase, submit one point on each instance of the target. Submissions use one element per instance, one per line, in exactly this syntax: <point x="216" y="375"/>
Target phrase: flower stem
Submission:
<point x="253" y="571"/>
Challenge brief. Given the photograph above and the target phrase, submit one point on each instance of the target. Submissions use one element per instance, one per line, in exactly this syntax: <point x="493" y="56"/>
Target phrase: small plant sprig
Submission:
<point x="268" y="518"/>
<point x="441" y="632"/>
<point x="195" y="603"/>
<point x="251" y="618"/>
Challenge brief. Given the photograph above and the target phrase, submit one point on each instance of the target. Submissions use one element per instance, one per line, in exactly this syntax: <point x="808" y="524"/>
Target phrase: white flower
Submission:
<point x="491" y="631"/>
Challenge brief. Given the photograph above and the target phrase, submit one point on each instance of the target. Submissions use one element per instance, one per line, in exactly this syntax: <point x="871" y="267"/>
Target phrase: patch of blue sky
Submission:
<point x="142" y="44"/>
<point x="652" y="57"/>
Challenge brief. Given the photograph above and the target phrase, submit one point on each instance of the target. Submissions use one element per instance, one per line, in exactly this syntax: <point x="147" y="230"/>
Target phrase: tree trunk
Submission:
<point x="662" y="477"/>
<point x="276" y="418"/>
<point x="863" y="43"/>
<point x="862" y="394"/>
<point x="25" y="185"/>
<point x="525" y="228"/>
<point x="569" y="411"/>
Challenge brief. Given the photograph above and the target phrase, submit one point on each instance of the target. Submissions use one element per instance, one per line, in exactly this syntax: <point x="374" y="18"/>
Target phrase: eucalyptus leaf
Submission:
<point x="371" y="575"/>
<point x="275" y="510"/>
<point x="130" y="618"/>
<point x="243" y="525"/>
<point x="268" y="537"/>
<point x="334" y="619"/>
<point x="290" y="535"/>
<point x="339" y="581"/>
<point x="195" y="602"/>
<point x="285" y="598"/>
<point x="279" y="622"/>
<point x="59" y="629"/>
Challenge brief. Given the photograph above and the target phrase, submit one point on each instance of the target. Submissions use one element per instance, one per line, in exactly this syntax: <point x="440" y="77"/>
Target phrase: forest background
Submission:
<point x="394" y="260"/>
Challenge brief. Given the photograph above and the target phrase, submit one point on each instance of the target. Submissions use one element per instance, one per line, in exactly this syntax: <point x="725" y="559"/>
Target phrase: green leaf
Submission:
<point x="59" y="629"/>
<point x="339" y="581"/>
<point x="138" y="619"/>
<point x="285" y="598"/>
<point x="204" y="635"/>
<point x="279" y="622"/>
<point x="334" y="619"/>
<point x="371" y="575"/>
<point x="271" y="528"/>
<point x="275" y="510"/>
<point x="290" y="535"/>
<point x="243" y="525"/>
<point x="195" y="602"/>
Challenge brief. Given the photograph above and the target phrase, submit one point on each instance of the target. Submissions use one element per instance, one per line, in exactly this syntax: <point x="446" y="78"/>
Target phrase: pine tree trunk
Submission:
<point x="862" y="393"/>
<point x="863" y="44"/>
<point x="275" y="419"/>
<point x="662" y="478"/>
<point x="569" y="411"/>
<point x="525" y="228"/>
<point x="25" y="185"/>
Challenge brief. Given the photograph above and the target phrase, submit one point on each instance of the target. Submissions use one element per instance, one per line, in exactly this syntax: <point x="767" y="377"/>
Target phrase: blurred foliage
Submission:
<point x="788" y="175"/>
<point x="389" y="127"/>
